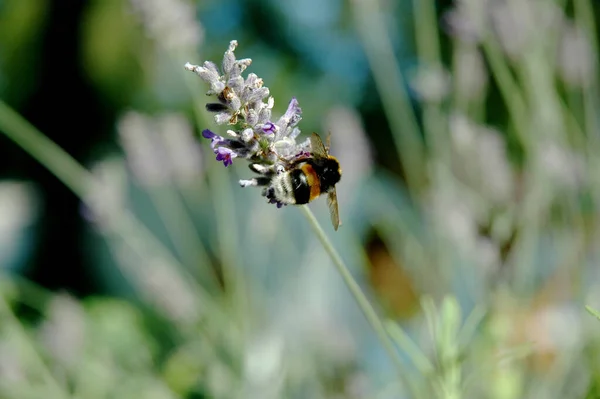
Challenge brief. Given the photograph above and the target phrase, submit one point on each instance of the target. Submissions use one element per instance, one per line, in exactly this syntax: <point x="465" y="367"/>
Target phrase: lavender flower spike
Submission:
<point x="244" y="104"/>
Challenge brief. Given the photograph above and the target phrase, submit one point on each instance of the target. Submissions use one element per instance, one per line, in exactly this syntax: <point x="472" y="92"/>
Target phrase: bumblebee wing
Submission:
<point x="332" y="202"/>
<point x="318" y="148"/>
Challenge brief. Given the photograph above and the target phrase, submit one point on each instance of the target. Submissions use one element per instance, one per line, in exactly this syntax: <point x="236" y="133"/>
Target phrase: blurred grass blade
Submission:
<point x="451" y="318"/>
<point x="426" y="31"/>
<point x="509" y="89"/>
<point x="593" y="311"/>
<point x="45" y="151"/>
<point x="390" y="85"/>
<point x="404" y="342"/>
<point x="470" y="325"/>
<point x="10" y="322"/>
<point x="430" y="311"/>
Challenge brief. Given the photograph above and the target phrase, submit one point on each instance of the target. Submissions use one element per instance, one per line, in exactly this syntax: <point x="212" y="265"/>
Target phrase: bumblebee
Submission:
<point x="302" y="180"/>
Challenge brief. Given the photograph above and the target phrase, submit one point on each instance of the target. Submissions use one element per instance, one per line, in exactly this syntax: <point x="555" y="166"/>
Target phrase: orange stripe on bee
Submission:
<point x="313" y="181"/>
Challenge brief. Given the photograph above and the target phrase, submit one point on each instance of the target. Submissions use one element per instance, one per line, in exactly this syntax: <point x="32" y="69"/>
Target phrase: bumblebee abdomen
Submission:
<point x="301" y="190"/>
<point x="298" y="186"/>
<point x="283" y="188"/>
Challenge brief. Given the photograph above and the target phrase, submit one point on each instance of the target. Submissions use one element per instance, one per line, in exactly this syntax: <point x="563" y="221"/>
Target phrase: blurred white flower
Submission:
<point x="219" y="382"/>
<point x="310" y="315"/>
<point x="11" y="366"/>
<point x="521" y="24"/>
<point x="496" y="175"/>
<point x="463" y="132"/>
<point x="468" y="19"/>
<point x="576" y="60"/>
<point x="470" y="75"/>
<point x="481" y="159"/>
<point x="431" y="83"/>
<point x="107" y="196"/>
<point x="168" y="291"/>
<point x="63" y="332"/>
<point x="453" y="216"/>
<point x="264" y="365"/>
<point x="487" y="254"/>
<point x="19" y="208"/>
<point x="556" y="328"/>
<point x="183" y="150"/>
<point x="562" y="165"/>
<point x="456" y="215"/>
<point x="160" y="149"/>
<point x="18" y="204"/>
<point x="172" y="23"/>
<point x="144" y="152"/>
<point x="358" y="386"/>
<point x="159" y="283"/>
<point x="480" y="177"/>
<point x="512" y="22"/>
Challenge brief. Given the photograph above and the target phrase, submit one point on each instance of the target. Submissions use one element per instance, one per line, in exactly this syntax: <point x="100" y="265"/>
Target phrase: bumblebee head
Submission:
<point x="332" y="172"/>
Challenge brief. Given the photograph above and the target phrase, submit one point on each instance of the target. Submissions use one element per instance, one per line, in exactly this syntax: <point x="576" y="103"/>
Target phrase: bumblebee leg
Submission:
<point x="263" y="181"/>
<point x="247" y="183"/>
<point x="262" y="169"/>
<point x="260" y="181"/>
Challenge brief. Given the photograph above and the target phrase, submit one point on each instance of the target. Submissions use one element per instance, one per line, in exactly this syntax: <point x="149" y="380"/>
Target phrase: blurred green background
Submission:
<point x="469" y="137"/>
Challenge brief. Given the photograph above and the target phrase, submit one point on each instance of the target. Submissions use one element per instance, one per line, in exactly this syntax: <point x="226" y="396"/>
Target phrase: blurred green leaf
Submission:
<point x="21" y="24"/>
<point x="117" y="333"/>
<point x="114" y="51"/>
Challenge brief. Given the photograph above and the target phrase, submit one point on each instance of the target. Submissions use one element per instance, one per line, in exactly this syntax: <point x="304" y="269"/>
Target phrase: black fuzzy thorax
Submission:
<point x="328" y="170"/>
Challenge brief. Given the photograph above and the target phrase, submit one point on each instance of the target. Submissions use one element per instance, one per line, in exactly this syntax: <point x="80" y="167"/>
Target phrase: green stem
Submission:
<point x="354" y="288"/>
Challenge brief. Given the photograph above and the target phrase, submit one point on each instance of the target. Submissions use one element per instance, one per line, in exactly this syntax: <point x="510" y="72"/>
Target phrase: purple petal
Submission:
<point x="207" y="134"/>
<point x="225" y="155"/>
<point x="269" y="128"/>
<point x="225" y="151"/>
<point x="303" y="154"/>
<point x="215" y="139"/>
